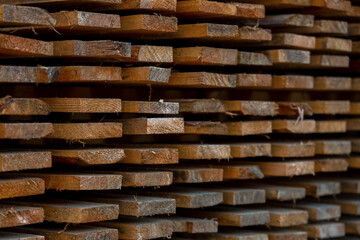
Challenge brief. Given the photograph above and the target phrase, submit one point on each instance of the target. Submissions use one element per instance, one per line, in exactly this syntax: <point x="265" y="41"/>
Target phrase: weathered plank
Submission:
<point x="22" y="74"/>
<point x="241" y="172"/>
<point x="84" y="105"/>
<point x="245" y="150"/>
<point x="24" y="160"/>
<point x="331" y="165"/>
<point x="23" y="106"/>
<point x="253" y="80"/>
<point x="328" y="61"/>
<point x="143" y="178"/>
<point x="69" y="211"/>
<point x="294" y="108"/>
<point x="287" y="57"/>
<point x="293" y="126"/>
<point x="293" y="149"/>
<point x="202" y="79"/>
<point x="25" y="130"/>
<point x="321" y="27"/>
<point x="233" y="234"/>
<point x="21" y="187"/>
<point x="253" y="59"/>
<point x="146" y="75"/>
<point x="332" y="83"/>
<point x="333" y="45"/>
<point x="150" y="107"/>
<point x="330" y="126"/>
<point x="255" y="108"/>
<point x="140" y="126"/>
<point x="192" y="225"/>
<point x="323" y="230"/>
<point x="76" y="131"/>
<point x="292" y="82"/>
<point x="12" y="216"/>
<point x="286" y="217"/>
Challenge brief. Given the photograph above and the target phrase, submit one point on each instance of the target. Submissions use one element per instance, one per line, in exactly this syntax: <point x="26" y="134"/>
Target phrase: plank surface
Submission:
<point x="292" y="82"/>
<point x="202" y="79"/>
<point x="330" y="126"/>
<point x="293" y="126"/>
<point x="23" y="106"/>
<point x="285" y="217"/>
<point x="330" y="83"/>
<point x="12" y="216"/>
<point x="245" y="150"/>
<point x="71" y="232"/>
<point x="293" y="149"/>
<point x="331" y="165"/>
<point x="140" y="126"/>
<point x="69" y="211"/>
<point x="25" y="130"/>
<point x="141" y="178"/>
<point x="201" y="151"/>
<point x="21" y="187"/>
<point x="323" y="230"/>
<point x="193" y="225"/>
<point x="76" y="131"/>
<point x="150" y="107"/>
<point x="24" y="160"/>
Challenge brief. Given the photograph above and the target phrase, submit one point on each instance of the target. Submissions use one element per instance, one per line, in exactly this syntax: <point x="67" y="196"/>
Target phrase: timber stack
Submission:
<point x="181" y="119"/>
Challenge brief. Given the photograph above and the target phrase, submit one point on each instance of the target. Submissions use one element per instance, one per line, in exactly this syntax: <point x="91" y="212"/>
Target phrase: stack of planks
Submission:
<point x="181" y="119"/>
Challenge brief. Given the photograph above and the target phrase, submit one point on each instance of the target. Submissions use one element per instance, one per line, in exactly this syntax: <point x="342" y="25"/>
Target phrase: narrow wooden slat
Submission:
<point x="253" y="59"/>
<point x="76" y="131"/>
<point x="241" y="172"/>
<point x="146" y="24"/>
<point x="323" y="230"/>
<point x="233" y="234"/>
<point x="282" y="234"/>
<point x="22" y="74"/>
<point x="152" y="156"/>
<point x="12" y="216"/>
<point x="329" y="61"/>
<point x="255" y="108"/>
<point x="322" y="27"/>
<point x="351" y="225"/>
<point x="295" y="21"/>
<point x="202" y="79"/>
<point x="24" y="160"/>
<point x="302" y="149"/>
<point x="206" y="128"/>
<point x="150" y="107"/>
<point x="85" y="157"/>
<point x="12" y="15"/>
<point x="154" y="5"/>
<point x="143" y="228"/>
<point x="332" y="83"/>
<point x="293" y="126"/>
<point x="83" y="105"/>
<point x="71" y="232"/>
<point x="333" y="45"/>
<point x="292" y="82"/>
<point x="135" y="205"/>
<point x="331" y="165"/>
<point x="285" y="217"/>
<point x="205" y="56"/>
<point x="354" y="162"/>
<point x="25" y="130"/>
<point x="68" y="211"/>
<point x="350" y="205"/>
<point x="144" y="178"/>
<point x="250" y="150"/>
<point x="21" y="187"/>
<point x="290" y="40"/>
<point x="232" y="216"/>
<point x="240" y="196"/>
<point x="13" y="46"/>
<point x="192" y="225"/>
<point x="146" y="75"/>
<point x="139" y="126"/>
<point x="330" y="126"/>
<point x="23" y="106"/>
<point x="333" y="147"/>
<point x="253" y="80"/>
<point x="281" y="4"/>
<point x="249" y="128"/>
<point x="286" y="57"/>
<point x="294" y="108"/>
<point x="77" y="181"/>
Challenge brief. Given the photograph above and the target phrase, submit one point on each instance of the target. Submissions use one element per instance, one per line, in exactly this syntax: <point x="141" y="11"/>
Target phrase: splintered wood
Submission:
<point x="181" y="119"/>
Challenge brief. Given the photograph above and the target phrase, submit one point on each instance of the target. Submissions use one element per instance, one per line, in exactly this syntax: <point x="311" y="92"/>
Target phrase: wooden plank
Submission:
<point x="232" y="216"/>
<point x="329" y="61"/>
<point x="12" y="216"/>
<point x="25" y="130"/>
<point x="350" y="204"/>
<point x="291" y="41"/>
<point x="153" y="156"/>
<point x="354" y="162"/>
<point x="251" y="34"/>
<point x="84" y="105"/>
<point x="294" y="108"/>
<point x="201" y="151"/>
<point x="333" y="45"/>
<point x="321" y="27"/>
<point x="219" y="11"/>
<point x="187" y="197"/>
<point x="286" y="217"/>
<point x="355" y="145"/>
<point x="249" y="128"/>
<point x="253" y="59"/>
<point x="233" y="234"/>
<point x="140" y="126"/>
<point x="16" y="47"/>
<point x="87" y="157"/>
<point x="69" y="211"/>
<point x="150" y="107"/>
<point x="205" y="56"/>
<point x="206" y="128"/>
<point x="323" y="230"/>
<point x="23" y="106"/>
<point x="254" y="108"/>
<point x="146" y="75"/>
<point x="354" y="108"/>
<point x="292" y="82"/>
<point x="293" y="20"/>
<point x="281" y="4"/>
<point x="332" y="147"/>
<point x="293" y="149"/>
<point x="286" y="57"/>
<point x="142" y="228"/>
<point x="193" y="174"/>
<point x="314" y="187"/>
<point x="77" y="181"/>
<point x="24" y="160"/>
<point x="351" y="225"/>
<point x="56" y="232"/>
<point x="349" y="183"/>
<point x="330" y="126"/>
<point x="332" y="83"/>
<point x="201" y="106"/>
<point x="240" y="196"/>
<point x="353" y="30"/>
<point x="285" y="169"/>
<point x="22" y="74"/>
<point x="352" y="124"/>
<point x="278" y="192"/>
<point x="75" y="131"/>
<point x="153" y="5"/>
<point x="143" y="178"/>
<point x="135" y="205"/>
<point x="317" y="211"/>
<point x="95" y="50"/>
<point x="20" y="187"/>
<point x="12" y="16"/>
<point x="245" y="150"/>
<point x="192" y="225"/>
<point x="151" y="54"/>
<point x="241" y="172"/>
<point x="283" y="234"/>
<point x="19" y="236"/>
<point x="253" y="80"/>
<point x="202" y="79"/>
<point x="293" y="126"/>
<point x="331" y="165"/>
<point x="145" y="24"/>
